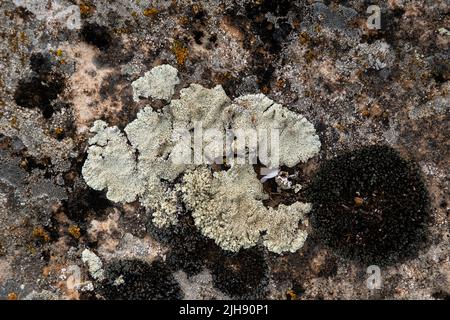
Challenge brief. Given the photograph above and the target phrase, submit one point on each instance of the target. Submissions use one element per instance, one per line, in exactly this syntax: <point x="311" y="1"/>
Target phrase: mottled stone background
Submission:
<point x="357" y="86"/>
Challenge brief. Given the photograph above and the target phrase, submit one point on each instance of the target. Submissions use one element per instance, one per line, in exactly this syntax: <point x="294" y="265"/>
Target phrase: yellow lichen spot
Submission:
<point x="197" y="8"/>
<point x="317" y="28"/>
<point x="303" y="38"/>
<point x="150" y="12"/>
<point x="12" y="296"/>
<point x="180" y="52"/>
<point x="123" y="30"/>
<point x="309" y="56"/>
<point x="41" y="234"/>
<point x="59" y="131"/>
<point x="74" y="231"/>
<point x="358" y="201"/>
<point x="183" y="20"/>
<point x="339" y="126"/>
<point x="23" y="163"/>
<point x="365" y="112"/>
<point x="23" y="37"/>
<point x="30" y="248"/>
<point x="86" y="9"/>
<point x="291" y="295"/>
<point x="13" y="122"/>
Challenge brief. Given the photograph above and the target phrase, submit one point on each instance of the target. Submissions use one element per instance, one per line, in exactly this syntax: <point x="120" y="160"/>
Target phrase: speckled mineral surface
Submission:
<point x="100" y="106"/>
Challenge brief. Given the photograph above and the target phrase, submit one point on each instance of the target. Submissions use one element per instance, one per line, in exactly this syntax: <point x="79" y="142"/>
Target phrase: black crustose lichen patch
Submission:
<point x="83" y="202"/>
<point x="111" y="49"/>
<point x="96" y="35"/>
<point x="41" y="88"/>
<point x="370" y="205"/>
<point x="138" y="280"/>
<point x="189" y="250"/>
<point x="40" y="63"/>
<point x="241" y="275"/>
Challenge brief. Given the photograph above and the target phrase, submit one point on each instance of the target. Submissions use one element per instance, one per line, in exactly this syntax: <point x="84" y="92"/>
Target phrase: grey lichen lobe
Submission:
<point x="158" y="83"/>
<point x="93" y="263"/>
<point x="226" y="206"/>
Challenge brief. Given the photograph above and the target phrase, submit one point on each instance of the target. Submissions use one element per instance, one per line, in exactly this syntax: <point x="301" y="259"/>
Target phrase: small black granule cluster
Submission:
<point x="370" y="205"/>
<point x="42" y="88"/>
<point x="242" y="275"/>
<point x="138" y="280"/>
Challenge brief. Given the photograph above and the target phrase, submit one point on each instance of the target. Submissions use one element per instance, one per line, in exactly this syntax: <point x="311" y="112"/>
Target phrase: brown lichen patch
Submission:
<point x="358" y="201"/>
<point x="86" y="9"/>
<point x="13" y="122"/>
<point x="197" y="10"/>
<point x="304" y="38"/>
<point x="265" y="89"/>
<point x="20" y="14"/>
<point x="12" y="296"/>
<point x="84" y="87"/>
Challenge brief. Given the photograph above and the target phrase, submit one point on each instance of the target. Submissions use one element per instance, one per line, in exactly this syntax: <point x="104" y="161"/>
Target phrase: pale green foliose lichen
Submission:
<point x="158" y="83"/>
<point x="298" y="139"/>
<point x="93" y="263"/>
<point x="226" y="206"/>
<point x="110" y="164"/>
